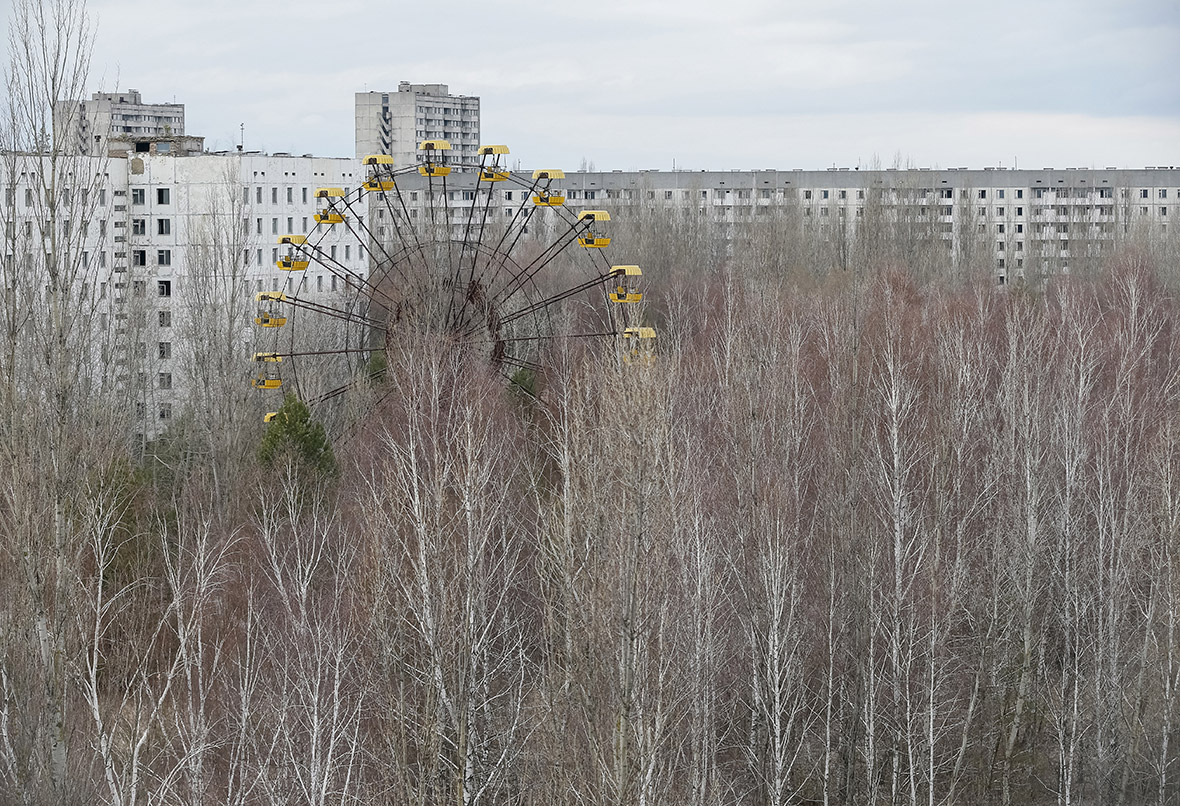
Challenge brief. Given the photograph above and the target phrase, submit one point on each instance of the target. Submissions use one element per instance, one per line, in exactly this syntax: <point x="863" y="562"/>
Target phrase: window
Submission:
<point x="946" y="193"/>
<point x="1163" y="193"/>
<point x="164" y="226"/>
<point x="333" y="251"/>
<point x="1020" y="194"/>
<point x="667" y="194"/>
<point x="825" y="194"/>
<point x="137" y="195"/>
<point x="1019" y="211"/>
<point x="259" y="257"/>
<point x="274" y="195"/>
<point x="290" y="224"/>
<point x="348" y="251"/>
<point x="102" y="197"/>
<point x="164" y="288"/>
<point x="138" y="257"/>
<point x="258" y="226"/>
<point x="999" y="194"/>
<point x="305" y="224"/>
<point x="138" y="226"/>
<point x="163" y="196"/>
<point x="983" y="194"/>
<point x="258" y="195"/>
<point x="165" y="411"/>
<point x="1163" y="211"/>
<point x="165" y="349"/>
<point x="290" y="194"/>
<point x="305" y="195"/>
<point x="843" y="194"/>
<point x="1020" y="246"/>
<point x="1001" y="228"/>
<point x="860" y="194"/>
<point x="274" y="255"/>
<point x="999" y="211"/>
<point x="274" y="226"/>
<point x="164" y="257"/>
<point x="165" y="318"/>
<point x="1143" y="193"/>
<point x="319" y="283"/>
<point x="138" y="287"/>
<point x="245" y="195"/>
<point x="165" y="381"/>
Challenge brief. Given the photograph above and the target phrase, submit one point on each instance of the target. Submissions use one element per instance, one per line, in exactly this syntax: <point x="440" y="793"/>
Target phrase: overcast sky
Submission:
<point x="699" y="84"/>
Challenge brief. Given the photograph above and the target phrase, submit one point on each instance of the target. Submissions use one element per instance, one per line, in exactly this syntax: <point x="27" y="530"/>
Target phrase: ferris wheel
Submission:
<point x="490" y="261"/>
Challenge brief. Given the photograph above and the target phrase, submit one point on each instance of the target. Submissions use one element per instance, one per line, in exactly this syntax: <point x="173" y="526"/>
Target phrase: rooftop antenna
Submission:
<point x="242" y="136"/>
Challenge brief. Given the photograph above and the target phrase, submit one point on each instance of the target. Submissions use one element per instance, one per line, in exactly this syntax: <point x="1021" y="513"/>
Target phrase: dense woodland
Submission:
<point x="870" y="529"/>
<point x="852" y="538"/>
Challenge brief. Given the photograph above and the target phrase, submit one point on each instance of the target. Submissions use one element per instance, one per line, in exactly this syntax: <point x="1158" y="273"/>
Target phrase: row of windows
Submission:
<point x="274" y="195"/>
<point x="139" y="257"/>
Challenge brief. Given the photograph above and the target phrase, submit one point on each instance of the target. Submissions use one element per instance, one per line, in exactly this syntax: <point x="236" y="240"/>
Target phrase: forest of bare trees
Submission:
<point x="869" y="530"/>
<point x="849" y="540"/>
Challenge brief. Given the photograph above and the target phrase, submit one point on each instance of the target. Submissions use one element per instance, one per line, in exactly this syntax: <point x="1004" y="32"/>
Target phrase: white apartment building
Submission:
<point x="169" y="242"/>
<point x="394" y="123"/>
<point x="84" y="127"/>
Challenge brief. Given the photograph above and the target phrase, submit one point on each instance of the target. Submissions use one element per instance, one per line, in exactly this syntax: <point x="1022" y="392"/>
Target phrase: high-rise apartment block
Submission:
<point x="394" y="123"/>
<point x="84" y="127"/>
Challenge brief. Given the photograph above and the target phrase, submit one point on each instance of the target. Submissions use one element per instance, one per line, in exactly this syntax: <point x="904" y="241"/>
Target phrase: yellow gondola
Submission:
<point x="433" y="165"/>
<point x="491" y="151"/>
<point x="329" y="215"/>
<point x="625" y="293"/>
<point x="378" y="159"/>
<point x="263" y="382"/>
<point x="492" y="175"/>
<point x="379" y="185"/>
<point x="589" y="239"/>
<point x="270" y="358"/>
<point x="267" y="318"/>
<point x="292" y="263"/>
<point x="270" y="415"/>
<point x="641" y="346"/>
<point x="547" y="196"/>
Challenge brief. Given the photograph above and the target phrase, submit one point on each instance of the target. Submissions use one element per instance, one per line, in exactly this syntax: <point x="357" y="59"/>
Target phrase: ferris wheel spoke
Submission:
<point x="365" y="235"/>
<point x="578" y="289"/>
<point x="335" y="313"/>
